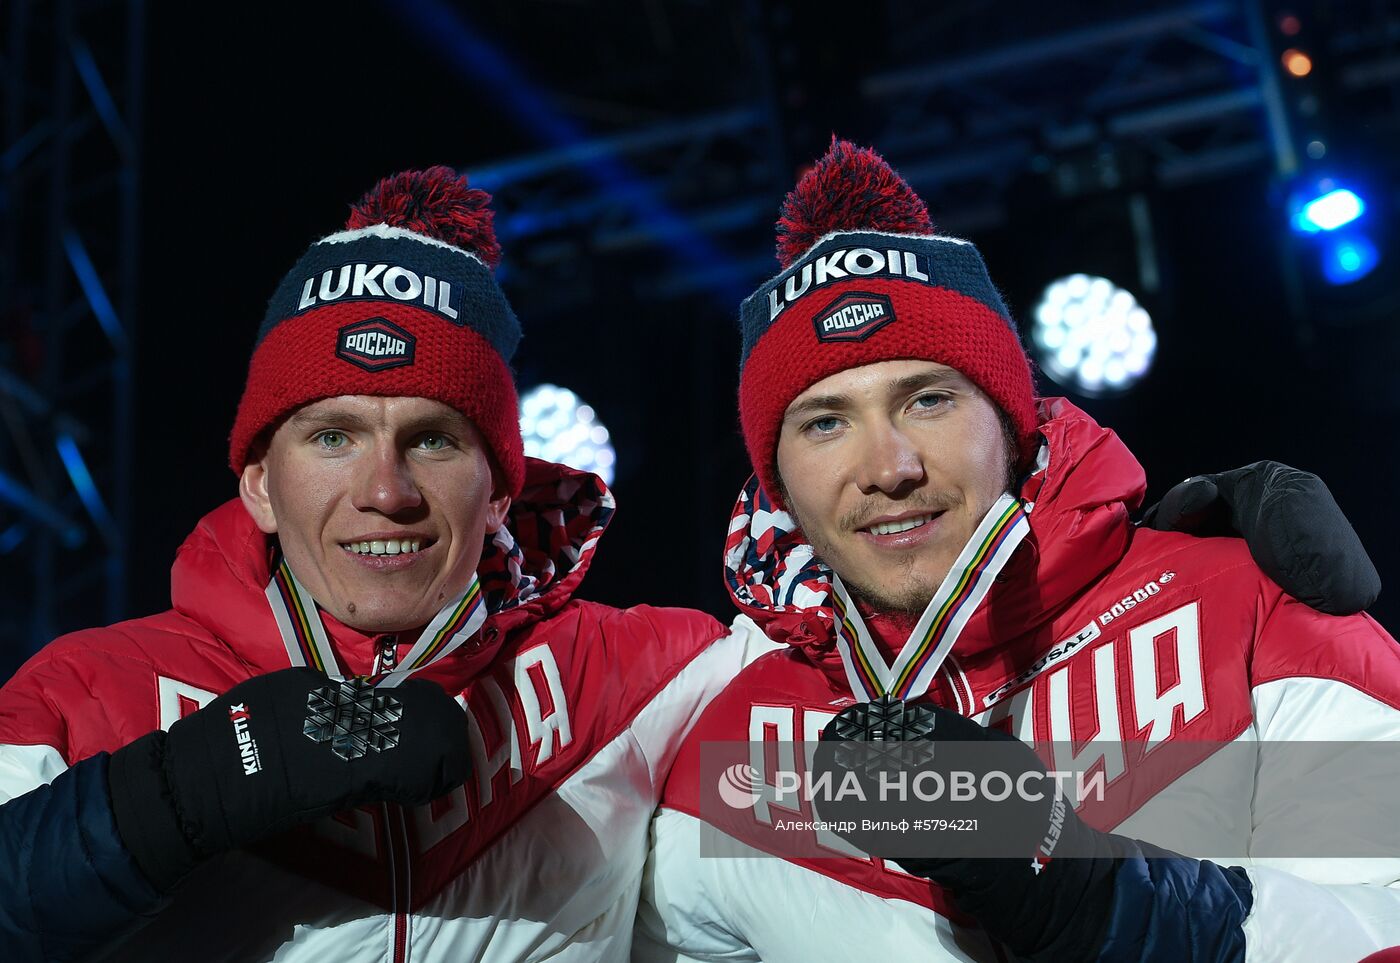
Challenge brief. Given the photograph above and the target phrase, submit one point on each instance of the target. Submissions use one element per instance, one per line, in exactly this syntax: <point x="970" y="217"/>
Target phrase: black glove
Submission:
<point x="1036" y="878"/>
<point x="275" y="751"/>
<point x="1292" y="525"/>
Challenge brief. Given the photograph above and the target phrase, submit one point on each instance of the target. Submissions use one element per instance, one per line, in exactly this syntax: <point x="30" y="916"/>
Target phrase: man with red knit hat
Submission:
<point x="375" y="725"/>
<point x="951" y="568"/>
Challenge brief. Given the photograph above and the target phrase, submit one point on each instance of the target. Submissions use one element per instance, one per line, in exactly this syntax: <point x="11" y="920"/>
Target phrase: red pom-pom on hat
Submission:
<point x="436" y="203"/>
<point x="850" y="189"/>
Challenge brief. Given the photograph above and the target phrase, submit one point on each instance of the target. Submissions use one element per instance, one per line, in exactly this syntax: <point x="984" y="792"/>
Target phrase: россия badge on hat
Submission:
<point x="402" y="303"/>
<point x="865" y="279"/>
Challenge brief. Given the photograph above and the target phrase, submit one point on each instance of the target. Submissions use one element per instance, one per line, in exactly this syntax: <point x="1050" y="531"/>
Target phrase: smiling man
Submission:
<point x="337" y="474"/>
<point x="839" y="438"/>
<point x="375" y="725"/>
<point x="946" y="557"/>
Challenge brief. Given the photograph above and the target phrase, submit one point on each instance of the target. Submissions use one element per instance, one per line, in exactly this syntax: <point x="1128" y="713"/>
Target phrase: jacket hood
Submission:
<point x="1080" y="497"/>
<point x="528" y="570"/>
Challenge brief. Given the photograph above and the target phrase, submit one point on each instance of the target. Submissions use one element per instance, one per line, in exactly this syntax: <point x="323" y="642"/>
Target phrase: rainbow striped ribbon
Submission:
<point x="305" y="636"/>
<point x="963" y="589"/>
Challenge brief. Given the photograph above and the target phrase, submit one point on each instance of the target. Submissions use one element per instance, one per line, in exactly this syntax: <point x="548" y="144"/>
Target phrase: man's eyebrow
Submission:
<point x="445" y="423"/>
<point x="327" y="419"/>
<point x="453" y="424"/>
<point x="816" y="403"/>
<point x="899" y="386"/>
<point x="924" y="379"/>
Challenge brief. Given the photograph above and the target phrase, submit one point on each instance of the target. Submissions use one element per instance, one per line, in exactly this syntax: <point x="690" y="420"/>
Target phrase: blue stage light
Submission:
<point x="83" y="483"/>
<point x="1348" y="258"/>
<point x="12" y="537"/>
<point x="442" y="25"/>
<point x="16" y="495"/>
<point x="1335" y="208"/>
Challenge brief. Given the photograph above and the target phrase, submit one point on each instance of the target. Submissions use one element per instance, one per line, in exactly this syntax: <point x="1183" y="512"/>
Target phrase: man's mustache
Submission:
<point x="862" y="515"/>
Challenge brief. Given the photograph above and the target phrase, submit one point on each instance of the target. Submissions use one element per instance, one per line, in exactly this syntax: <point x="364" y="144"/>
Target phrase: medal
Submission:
<point x="354" y="717"/>
<point x="887" y="719"/>
<point x="887" y="734"/>
<point x="885" y="713"/>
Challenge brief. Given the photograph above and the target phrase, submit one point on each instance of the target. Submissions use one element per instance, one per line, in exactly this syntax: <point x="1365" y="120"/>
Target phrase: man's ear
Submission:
<point x="252" y="489"/>
<point x="497" y="509"/>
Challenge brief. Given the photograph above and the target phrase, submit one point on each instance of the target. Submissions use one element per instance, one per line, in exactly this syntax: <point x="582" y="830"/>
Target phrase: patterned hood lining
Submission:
<point x="768" y="565"/>
<point x="551" y="531"/>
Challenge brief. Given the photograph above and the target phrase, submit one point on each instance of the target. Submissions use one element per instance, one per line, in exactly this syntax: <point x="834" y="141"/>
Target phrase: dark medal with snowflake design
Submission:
<point x="354" y="717"/>
<point x="885" y="734"/>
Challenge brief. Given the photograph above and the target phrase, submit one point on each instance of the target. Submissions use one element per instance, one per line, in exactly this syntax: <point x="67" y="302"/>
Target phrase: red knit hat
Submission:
<point x="866" y="279"/>
<point x="401" y="303"/>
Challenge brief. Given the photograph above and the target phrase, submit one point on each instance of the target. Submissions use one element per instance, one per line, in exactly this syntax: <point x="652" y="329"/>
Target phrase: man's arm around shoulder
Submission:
<point x="66" y="879"/>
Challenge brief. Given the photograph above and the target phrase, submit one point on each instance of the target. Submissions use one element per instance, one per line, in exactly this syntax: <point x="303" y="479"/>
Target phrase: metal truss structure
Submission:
<point x="1366" y="39"/>
<point x="1148" y="96"/>
<point x="682" y="186"/>
<point x="69" y="206"/>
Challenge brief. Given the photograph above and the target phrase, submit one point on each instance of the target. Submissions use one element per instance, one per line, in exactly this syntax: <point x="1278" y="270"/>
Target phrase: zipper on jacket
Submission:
<point x="388" y="656"/>
<point x="400" y="878"/>
<point x="395" y="833"/>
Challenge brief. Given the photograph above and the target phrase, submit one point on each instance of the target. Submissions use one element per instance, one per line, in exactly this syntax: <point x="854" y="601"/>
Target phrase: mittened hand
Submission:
<point x="1012" y="854"/>
<point x="1292" y="525"/>
<point x="294" y="746"/>
<point x="955" y="788"/>
<point x="276" y="751"/>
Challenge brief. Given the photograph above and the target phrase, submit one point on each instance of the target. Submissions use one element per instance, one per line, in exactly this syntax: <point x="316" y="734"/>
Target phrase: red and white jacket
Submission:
<point x="575" y="712"/>
<point x="1109" y="641"/>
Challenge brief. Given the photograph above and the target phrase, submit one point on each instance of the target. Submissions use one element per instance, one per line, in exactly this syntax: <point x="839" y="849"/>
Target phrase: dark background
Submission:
<point x="259" y="124"/>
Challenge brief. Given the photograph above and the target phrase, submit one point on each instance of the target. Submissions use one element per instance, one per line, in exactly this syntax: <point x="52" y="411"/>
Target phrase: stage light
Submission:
<point x="1347" y="258"/>
<point x="1297" y="63"/>
<point x="82" y="481"/>
<point x="558" y="426"/>
<point x="1338" y="206"/>
<point x="13" y="537"/>
<point x="1093" y="336"/>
